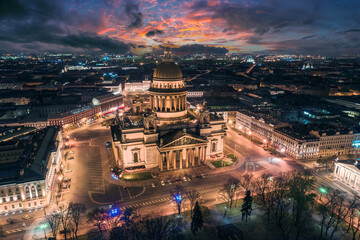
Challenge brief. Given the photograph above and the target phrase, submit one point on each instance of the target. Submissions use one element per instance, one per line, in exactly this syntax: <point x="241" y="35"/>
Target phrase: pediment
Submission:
<point x="185" y="140"/>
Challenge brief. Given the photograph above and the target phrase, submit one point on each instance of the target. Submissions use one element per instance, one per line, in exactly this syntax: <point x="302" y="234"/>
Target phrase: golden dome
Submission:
<point x="166" y="70"/>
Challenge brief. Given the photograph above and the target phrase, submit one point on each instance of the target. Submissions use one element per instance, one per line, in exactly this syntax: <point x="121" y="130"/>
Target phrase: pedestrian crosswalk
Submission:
<point x="14" y="230"/>
<point x="166" y="199"/>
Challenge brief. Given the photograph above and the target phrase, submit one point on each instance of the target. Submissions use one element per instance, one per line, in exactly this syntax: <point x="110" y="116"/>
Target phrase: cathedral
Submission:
<point x="165" y="134"/>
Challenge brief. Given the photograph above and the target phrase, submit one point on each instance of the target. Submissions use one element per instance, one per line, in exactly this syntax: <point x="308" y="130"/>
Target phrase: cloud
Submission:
<point x="45" y="24"/>
<point x="308" y="37"/>
<point x="199" y="49"/>
<point x="133" y="13"/>
<point x="154" y="32"/>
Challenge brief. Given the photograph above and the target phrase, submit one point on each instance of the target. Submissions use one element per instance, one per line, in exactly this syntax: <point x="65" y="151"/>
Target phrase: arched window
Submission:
<point x="136" y="157"/>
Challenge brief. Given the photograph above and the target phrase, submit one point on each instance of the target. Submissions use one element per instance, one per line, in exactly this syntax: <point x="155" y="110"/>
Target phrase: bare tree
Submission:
<point x="228" y="192"/>
<point x="193" y="195"/>
<point x="99" y="217"/>
<point x="161" y="228"/>
<point x="263" y="188"/>
<point x="302" y="197"/>
<point x="77" y="212"/>
<point x="354" y="218"/>
<point x="245" y="181"/>
<point x="65" y="220"/>
<point x="54" y="222"/>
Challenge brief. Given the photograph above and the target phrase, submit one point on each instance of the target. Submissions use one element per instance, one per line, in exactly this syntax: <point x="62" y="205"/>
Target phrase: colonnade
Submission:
<point x="347" y="176"/>
<point x="188" y="157"/>
<point x="168" y="103"/>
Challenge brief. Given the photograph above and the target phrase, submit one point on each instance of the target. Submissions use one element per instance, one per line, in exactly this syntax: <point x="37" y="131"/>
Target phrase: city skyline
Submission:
<point x="218" y="27"/>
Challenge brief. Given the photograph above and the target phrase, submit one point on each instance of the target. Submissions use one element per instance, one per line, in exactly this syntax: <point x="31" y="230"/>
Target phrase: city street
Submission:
<point x="91" y="182"/>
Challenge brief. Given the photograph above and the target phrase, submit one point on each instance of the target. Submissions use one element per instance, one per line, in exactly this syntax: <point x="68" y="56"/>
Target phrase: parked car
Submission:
<point x="162" y="183"/>
<point x="71" y="152"/>
<point x="185" y="179"/>
<point x="10" y="220"/>
<point x="153" y="184"/>
<point x="68" y="170"/>
<point x="67" y="179"/>
<point x="70" y="158"/>
<point x="108" y="144"/>
<point x="169" y="182"/>
<point x="26" y="217"/>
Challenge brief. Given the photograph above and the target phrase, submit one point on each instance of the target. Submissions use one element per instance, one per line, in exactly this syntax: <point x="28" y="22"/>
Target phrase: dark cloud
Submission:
<point x="44" y="24"/>
<point x="133" y="13"/>
<point x="199" y="49"/>
<point x="308" y="37"/>
<point x="276" y="24"/>
<point x="11" y="8"/>
<point x="154" y="32"/>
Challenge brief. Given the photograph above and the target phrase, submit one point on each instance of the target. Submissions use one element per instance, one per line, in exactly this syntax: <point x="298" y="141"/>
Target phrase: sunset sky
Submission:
<point x="119" y="26"/>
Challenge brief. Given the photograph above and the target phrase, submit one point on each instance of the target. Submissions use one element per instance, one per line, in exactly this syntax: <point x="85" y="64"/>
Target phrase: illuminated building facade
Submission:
<point x="166" y="134"/>
<point x="28" y="171"/>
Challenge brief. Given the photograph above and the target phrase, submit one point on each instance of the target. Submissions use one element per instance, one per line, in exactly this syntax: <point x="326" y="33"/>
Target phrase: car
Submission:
<point x="10" y="220"/>
<point x="108" y="144"/>
<point x="71" y="152"/>
<point x="70" y="158"/>
<point x="153" y="184"/>
<point x="203" y="175"/>
<point x="67" y="179"/>
<point x="189" y="179"/>
<point x="66" y="186"/>
<point x="185" y="179"/>
<point x="169" y="182"/>
<point x="162" y="183"/>
<point x="26" y="217"/>
<point x="68" y="170"/>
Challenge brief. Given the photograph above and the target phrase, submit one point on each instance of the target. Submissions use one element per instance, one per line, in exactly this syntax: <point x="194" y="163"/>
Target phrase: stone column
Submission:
<point x="180" y="158"/>
<point x="167" y="161"/>
<point x="151" y="102"/>
<point x="187" y="153"/>
<point x="160" y="103"/>
<point x="200" y="154"/>
<point x="205" y="154"/>
<point x="193" y="157"/>
<point x="174" y="158"/>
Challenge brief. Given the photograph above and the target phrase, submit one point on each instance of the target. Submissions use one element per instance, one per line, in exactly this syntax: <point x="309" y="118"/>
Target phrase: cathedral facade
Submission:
<point x="165" y="133"/>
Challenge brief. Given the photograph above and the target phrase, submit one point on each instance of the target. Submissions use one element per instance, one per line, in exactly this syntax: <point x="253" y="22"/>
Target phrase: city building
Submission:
<point x="348" y="172"/>
<point x="166" y="134"/>
<point x="28" y="167"/>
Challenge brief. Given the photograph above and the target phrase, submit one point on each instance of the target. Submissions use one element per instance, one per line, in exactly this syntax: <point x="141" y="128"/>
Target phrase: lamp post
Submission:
<point x="322" y="191"/>
<point x="43" y="227"/>
<point x="178" y="200"/>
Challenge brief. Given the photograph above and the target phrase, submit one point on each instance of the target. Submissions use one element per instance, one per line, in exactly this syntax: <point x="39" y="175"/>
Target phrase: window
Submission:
<point x="213" y="147"/>
<point x="13" y="206"/>
<point x="136" y="156"/>
<point x="4" y="199"/>
<point x="35" y="203"/>
<point x="29" y="204"/>
<point x="5" y="207"/>
<point x="11" y="198"/>
<point x="20" y="205"/>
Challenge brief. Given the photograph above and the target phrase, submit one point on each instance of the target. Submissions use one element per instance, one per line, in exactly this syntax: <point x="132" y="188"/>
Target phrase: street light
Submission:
<point x="43" y="227"/>
<point x="178" y="200"/>
<point x="322" y="191"/>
